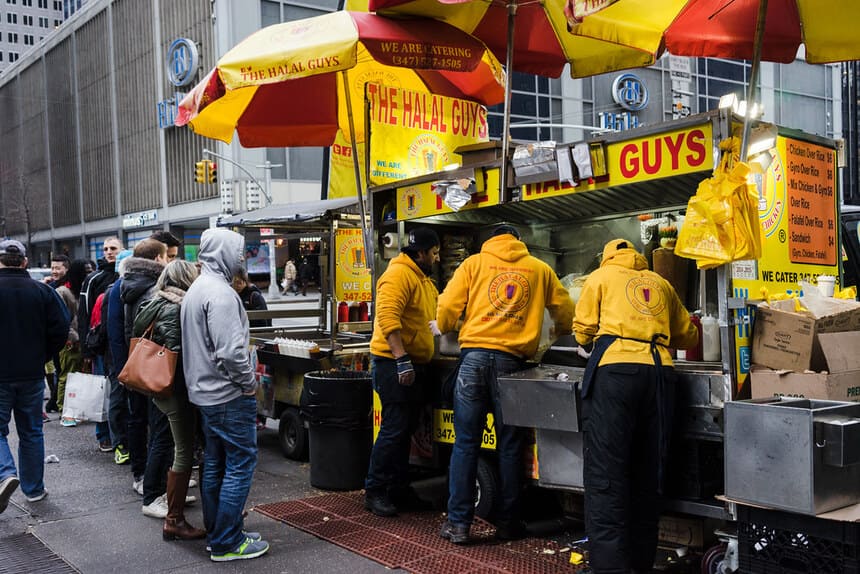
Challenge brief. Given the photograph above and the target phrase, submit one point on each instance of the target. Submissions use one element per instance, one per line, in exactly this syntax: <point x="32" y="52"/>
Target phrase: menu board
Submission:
<point x="809" y="171"/>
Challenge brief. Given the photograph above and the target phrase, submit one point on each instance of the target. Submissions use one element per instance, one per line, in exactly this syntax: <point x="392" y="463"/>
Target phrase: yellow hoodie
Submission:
<point x="624" y="298"/>
<point x="504" y="291"/>
<point x="405" y="300"/>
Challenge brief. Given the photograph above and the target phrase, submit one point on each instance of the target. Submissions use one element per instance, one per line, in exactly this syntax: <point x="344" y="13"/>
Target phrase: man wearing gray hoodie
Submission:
<point x="220" y="381"/>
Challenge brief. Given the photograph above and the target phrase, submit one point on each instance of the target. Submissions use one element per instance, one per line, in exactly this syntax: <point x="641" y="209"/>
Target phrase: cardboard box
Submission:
<point x="784" y="339"/>
<point x="838" y="381"/>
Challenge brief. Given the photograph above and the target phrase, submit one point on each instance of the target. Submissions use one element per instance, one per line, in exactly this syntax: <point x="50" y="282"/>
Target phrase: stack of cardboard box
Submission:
<point x="813" y="355"/>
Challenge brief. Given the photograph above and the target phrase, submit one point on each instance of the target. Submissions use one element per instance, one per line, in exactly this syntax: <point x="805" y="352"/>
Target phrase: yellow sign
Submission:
<point x="798" y="216"/>
<point x="415" y="201"/>
<point x="413" y="133"/>
<point x="352" y="277"/>
<point x="654" y="157"/>
<point x="443" y="428"/>
<point x="341" y="179"/>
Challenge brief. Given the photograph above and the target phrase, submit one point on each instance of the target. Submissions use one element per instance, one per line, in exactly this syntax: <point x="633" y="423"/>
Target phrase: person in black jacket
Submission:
<point x="251" y="296"/>
<point x="34" y="325"/>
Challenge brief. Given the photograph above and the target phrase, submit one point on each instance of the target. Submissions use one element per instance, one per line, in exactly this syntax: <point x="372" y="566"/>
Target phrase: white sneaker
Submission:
<point x="192" y="483"/>
<point x="137" y="486"/>
<point x="38" y="497"/>
<point x="157" y="508"/>
<point x="189" y="499"/>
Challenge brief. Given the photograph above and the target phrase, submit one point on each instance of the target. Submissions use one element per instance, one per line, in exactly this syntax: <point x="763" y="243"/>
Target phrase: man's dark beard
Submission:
<point x="427" y="269"/>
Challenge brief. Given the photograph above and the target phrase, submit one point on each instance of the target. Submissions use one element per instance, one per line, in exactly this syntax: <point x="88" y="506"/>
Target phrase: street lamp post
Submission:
<point x="274" y="292"/>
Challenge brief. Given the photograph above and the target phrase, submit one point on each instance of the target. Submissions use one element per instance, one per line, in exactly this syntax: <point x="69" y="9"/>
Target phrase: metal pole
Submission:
<point x="365" y="233"/>
<point x="265" y="191"/>
<point x="274" y="292"/>
<point x="754" y="73"/>
<point x="506" y="122"/>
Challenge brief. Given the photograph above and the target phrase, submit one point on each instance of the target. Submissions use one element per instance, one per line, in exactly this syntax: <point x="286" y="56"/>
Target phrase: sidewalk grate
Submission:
<point x="26" y="553"/>
<point x="411" y="541"/>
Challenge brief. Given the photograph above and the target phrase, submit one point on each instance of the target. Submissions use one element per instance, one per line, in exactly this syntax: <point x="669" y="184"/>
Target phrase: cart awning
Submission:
<point x="290" y="213"/>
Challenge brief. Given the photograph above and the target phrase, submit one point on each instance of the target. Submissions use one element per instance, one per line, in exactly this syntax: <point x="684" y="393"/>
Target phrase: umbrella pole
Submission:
<point x="754" y="74"/>
<point x="365" y="232"/>
<point x="506" y="122"/>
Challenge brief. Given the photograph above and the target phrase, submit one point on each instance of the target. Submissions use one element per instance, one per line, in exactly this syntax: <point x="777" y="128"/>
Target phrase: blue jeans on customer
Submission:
<point x="24" y="399"/>
<point x="228" y="466"/>
<point x="118" y="413"/>
<point x="474" y="396"/>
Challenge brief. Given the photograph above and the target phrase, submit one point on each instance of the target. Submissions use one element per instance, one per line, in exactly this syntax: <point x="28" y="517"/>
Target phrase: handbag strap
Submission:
<point x="147" y="334"/>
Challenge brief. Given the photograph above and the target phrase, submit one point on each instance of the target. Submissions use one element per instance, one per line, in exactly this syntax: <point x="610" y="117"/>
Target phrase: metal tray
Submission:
<point x="536" y="398"/>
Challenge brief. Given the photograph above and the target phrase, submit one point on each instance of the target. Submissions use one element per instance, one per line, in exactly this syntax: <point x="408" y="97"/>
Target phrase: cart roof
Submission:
<point x="291" y="213"/>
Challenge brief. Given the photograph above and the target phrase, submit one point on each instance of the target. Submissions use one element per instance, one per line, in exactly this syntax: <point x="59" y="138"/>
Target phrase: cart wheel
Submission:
<point x="712" y="560"/>
<point x="292" y="435"/>
<point x="487" y="488"/>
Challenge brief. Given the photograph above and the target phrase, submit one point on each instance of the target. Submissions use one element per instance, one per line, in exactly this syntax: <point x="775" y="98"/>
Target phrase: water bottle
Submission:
<point x="710" y="339"/>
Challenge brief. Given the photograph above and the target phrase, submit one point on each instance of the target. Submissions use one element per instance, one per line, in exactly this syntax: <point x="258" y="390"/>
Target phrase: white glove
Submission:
<point x="582" y="353"/>
<point x="434" y="328"/>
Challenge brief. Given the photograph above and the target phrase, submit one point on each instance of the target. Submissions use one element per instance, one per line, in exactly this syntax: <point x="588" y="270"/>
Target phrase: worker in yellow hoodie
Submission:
<point x="628" y="317"/>
<point x="503" y="291"/>
<point x="401" y="347"/>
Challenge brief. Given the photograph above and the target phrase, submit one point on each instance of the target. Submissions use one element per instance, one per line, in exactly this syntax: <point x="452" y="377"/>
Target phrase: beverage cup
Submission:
<point x="827" y="285"/>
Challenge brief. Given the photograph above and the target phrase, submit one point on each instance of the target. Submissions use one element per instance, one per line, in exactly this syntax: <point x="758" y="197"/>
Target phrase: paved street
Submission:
<point x="92" y="517"/>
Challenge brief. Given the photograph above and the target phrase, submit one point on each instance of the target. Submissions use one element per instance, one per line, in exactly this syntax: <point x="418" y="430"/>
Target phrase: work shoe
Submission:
<point x="510" y="530"/>
<point x="157" y="508"/>
<point x="121" y="455"/>
<point x="106" y="445"/>
<point x="455" y="533"/>
<point x="248" y="549"/>
<point x="7" y="487"/>
<point x="379" y="504"/>
<point x="252" y="535"/>
<point x="38" y="497"/>
<point x="137" y="485"/>
<point x="67" y="422"/>
<point x="405" y="499"/>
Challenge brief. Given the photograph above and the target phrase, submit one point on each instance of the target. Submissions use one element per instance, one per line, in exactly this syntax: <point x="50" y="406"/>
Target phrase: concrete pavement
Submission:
<point x="92" y="517"/>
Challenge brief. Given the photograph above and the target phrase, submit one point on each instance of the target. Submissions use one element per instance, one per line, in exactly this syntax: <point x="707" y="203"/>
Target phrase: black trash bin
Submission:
<point x="337" y="407"/>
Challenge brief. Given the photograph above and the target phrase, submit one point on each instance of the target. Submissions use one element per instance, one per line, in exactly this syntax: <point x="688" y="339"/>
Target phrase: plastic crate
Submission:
<point x="773" y="541"/>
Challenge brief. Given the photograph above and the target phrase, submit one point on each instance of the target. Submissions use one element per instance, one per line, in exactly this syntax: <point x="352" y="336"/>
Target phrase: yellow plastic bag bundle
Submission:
<point x="722" y="224"/>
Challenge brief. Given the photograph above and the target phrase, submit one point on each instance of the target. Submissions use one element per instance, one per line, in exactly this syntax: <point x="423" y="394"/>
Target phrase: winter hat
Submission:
<point x="12" y="247"/>
<point x="506" y="229"/>
<point x="421" y="239"/>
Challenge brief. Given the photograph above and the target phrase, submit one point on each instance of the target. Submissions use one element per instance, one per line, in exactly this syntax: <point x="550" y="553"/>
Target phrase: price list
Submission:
<point x="811" y="190"/>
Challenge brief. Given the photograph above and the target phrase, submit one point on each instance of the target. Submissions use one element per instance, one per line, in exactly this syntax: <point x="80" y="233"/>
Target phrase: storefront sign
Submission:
<point x="414" y="133"/>
<point x="341" y="181"/>
<point x="183" y="61"/>
<point x="352" y="277"/>
<point x="140" y="219"/>
<point x="629" y="92"/>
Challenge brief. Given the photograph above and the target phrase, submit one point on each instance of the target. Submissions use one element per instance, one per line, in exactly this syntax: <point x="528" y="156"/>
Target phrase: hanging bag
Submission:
<point x="86" y="397"/>
<point x="150" y="368"/>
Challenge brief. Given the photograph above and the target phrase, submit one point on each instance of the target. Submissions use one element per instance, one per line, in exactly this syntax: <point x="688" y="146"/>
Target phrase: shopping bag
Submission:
<point x="87" y="397"/>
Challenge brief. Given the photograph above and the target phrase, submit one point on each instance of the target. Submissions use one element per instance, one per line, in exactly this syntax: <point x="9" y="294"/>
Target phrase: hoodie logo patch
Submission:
<point x="646" y="296"/>
<point x="509" y="292"/>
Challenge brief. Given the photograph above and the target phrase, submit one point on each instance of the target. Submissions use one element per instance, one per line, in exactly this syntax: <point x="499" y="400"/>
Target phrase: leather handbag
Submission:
<point x="150" y="367"/>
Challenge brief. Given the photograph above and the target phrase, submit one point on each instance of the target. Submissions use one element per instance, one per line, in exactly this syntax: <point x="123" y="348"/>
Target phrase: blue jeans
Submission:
<point x="401" y="409"/>
<point x="102" y="428"/>
<point x="118" y="413"/>
<point x="25" y="400"/>
<point x="228" y="466"/>
<point x="474" y="397"/>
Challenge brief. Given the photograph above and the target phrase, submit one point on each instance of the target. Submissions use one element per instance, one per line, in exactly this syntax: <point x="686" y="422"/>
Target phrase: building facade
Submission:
<point x="90" y="151"/>
<point x="24" y="24"/>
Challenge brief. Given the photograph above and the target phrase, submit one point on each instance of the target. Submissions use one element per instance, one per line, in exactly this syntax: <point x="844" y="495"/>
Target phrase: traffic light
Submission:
<point x="213" y="172"/>
<point x="200" y="171"/>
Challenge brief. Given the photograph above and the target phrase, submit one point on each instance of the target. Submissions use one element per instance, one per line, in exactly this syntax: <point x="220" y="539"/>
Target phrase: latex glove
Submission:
<point x="434" y="328"/>
<point x="405" y="371"/>
<point x="582" y="353"/>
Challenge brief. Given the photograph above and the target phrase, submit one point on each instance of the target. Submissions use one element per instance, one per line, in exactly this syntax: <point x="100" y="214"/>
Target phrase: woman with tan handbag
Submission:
<point x="162" y="314"/>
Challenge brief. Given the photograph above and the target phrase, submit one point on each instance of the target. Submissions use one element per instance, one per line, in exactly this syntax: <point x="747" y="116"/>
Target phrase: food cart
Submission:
<point x="633" y="184"/>
<point x="309" y="337"/>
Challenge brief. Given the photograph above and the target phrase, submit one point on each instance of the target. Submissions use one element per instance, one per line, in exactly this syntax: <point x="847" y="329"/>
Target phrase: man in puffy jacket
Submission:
<point x="401" y="346"/>
<point x="504" y="292"/>
<point x="631" y="316"/>
<point x="34" y="325"/>
<point x="221" y="382"/>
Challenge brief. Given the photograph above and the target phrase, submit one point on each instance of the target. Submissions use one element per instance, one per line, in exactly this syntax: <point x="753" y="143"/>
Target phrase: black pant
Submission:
<point x="621" y="458"/>
<point x="118" y="413"/>
<point x="401" y="409"/>
<point x="160" y="455"/>
<point x="138" y="421"/>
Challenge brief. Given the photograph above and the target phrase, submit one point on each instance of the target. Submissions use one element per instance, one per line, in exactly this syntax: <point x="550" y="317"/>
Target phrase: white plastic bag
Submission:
<point x="87" y="397"/>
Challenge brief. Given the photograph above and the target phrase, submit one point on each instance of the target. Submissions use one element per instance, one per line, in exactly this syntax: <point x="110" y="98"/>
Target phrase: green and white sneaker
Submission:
<point x="252" y="535"/>
<point x="245" y="551"/>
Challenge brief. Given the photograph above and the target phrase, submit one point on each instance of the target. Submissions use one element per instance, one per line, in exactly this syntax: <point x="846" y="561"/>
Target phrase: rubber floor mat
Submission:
<point x="26" y="553"/>
<point x="411" y="541"/>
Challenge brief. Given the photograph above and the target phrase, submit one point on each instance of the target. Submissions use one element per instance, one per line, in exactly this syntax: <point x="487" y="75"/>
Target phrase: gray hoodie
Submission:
<point x="215" y="337"/>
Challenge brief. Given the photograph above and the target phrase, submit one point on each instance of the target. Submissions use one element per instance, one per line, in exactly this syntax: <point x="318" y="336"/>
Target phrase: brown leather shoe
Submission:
<point x="175" y="526"/>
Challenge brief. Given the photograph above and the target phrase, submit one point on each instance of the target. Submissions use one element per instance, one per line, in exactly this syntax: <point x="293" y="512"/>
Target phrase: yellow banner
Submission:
<point x="341" y="175"/>
<point x="352" y="278"/>
<point x="798" y="217"/>
<point x="657" y="156"/>
<point x="415" y="201"/>
<point x="414" y="133"/>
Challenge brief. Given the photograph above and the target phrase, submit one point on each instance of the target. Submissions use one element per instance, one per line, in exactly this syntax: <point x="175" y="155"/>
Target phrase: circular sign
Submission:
<point x="183" y="60"/>
<point x="629" y="92"/>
